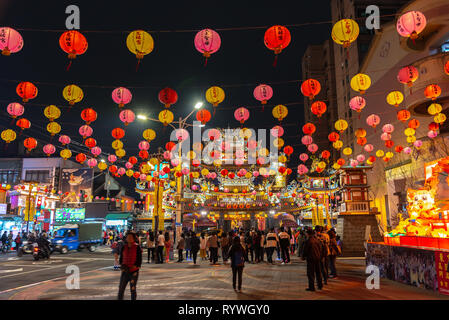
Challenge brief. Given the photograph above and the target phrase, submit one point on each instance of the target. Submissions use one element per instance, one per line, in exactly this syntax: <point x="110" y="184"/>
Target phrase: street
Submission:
<point x="25" y="279"/>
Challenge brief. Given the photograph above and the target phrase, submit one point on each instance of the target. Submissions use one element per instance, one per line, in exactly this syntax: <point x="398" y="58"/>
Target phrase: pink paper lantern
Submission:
<point x="373" y="120"/>
<point x="385" y="136"/>
<point x="64" y="140"/>
<point x="263" y="93"/>
<point x="432" y="134"/>
<point x="312" y="148"/>
<point x="10" y="41"/>
<point x="144" y="145"/>
<point x="368" y="147"/>
<point x="143" y="177"/>
<point x="353" y="163"/>
<point x="185" y="171"/>
<point x="226" y="190"/>
<point x="357" y="103"/>
<point x="128" y="165"/>
<point x="112" y="158"/>
<point x="121" y="96"/>
<point x="255" y="173"/>
<point x="417" y="143"/>
<point x="175" y="162"/>
<point x="306" y="140"/>
<point x="277" y="131"/>
<point x="302" y="169"/>
<point x="92" y="162"/>
<point x="15" y="109"/>
<point x="49" y="149"/>
<point x="410" y="24"/>
<point x="408" y="75"/>
<point x="241" y="114"/>
<point x="303" y="157"/>
<point x="252" y="144"/>
<point x="167" y="155"/>
<point x="239" y="162"/>
<point x="240" y="153"/>
<point x="207" y="41"/>
<point x="121" y="171"/>
<point x="127" y="116"/>
<point x="408" y="150"/>
<point x="96" y="151"/>
<point x="213" y="134"/>
<point x="194" y="187"/>
<point x="181" y="134"/>
<point x="388" y="128"/>
<point x="213" y="175"/>
<point x="360" y="158"/>
<point x="85" y="131"/>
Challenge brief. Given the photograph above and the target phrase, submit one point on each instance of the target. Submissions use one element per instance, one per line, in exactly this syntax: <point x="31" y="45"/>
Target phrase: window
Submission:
<point x="10" y="177"/>
<point x="42" y="176"/>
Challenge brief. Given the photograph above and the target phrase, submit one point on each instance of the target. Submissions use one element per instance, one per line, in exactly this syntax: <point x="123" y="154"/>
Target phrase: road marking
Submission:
<point x="13" y="258"/>
<point x="12" y="270"/>
<point x="46" y="262"/>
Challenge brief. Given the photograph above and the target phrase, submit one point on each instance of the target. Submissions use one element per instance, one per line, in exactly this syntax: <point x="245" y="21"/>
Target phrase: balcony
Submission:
<point x="431" y="71"/>
<point x="354" y="207"/>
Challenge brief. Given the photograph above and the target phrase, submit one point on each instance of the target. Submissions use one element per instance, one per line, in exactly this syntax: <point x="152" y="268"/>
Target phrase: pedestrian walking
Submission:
<point x="160" y="247"/>
<point x="334" y="252"/>
<point x="312" y="253"/>
<point x="195" y="246"/>
<point x="18" y="241"/>
<point x="151" y="245"/>
<point x="203" y="245"/>
<point x="249" y="250"/>
<point x="272" y="243"/>
<point x="237" y="255"/>
<point x="180" y="247"/>
<point x="301" y="239"/>
<point x="212" y="244"/>
<point x="324" y="238"/>
<point x="188" y="246"/>
<point x="130" y="262"/>
<point x="167" y="245"/>
<point x="225" y="246"/>
<point x="116" y="247"/>
<point x="284" y="243"/>
<point x="262" y="245"/>
<point x="256" y="246"/>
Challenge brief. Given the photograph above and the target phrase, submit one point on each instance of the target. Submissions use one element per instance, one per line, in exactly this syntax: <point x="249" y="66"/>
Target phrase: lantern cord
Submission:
<point x="214" y="111"/>
<point x="205" y="62"/>
<point x="68" y="66"/>
<point x="137" y="65"/>
<point x="275" y="60"/>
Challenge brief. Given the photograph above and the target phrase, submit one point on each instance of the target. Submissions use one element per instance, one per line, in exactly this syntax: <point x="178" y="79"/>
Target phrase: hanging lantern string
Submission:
<point x="243" y="28"/>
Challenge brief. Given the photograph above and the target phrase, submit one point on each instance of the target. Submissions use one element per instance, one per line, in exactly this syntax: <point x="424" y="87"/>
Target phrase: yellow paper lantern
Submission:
<point x="434" y="109"/>
<point x="439" y="118"/>
<point x="149" y="134"/>
<point x="129" y="172"/>
<point x="149" y="178"/>
<point x="282" y="159"/>
<point x="278" y="143"/>
<point x="347" y="151"/>
<point x="65" y="154"/>
<point x="336" y="166"/>
<point x="140" y="43"/>
<point x="245" y="133"/>
<point x="217" y="162"/>
<point x="360" y="83"/>
<point x="145" y="168"/>
<point x="395" y="98"/>
<point x="360" y="133"/>
<point x="53" y="128"/>
<point x="154" y="161"/>
<point x="380" y="153"/>
<point x="263" y="171"/>
<point x="120" y="153"/>
<point x="322" y="165"/>
<point x="102" y="165"/>
<point x="280" y="112"/>
<point x="215" y="95"/>
<point x="191" y="155"/>
<point x="345" y="32"/>
<point x="8" y="135"/>
<point x="196" y="174"/>
<point x="409" y="132"/>
<point x="338" y="144"/>
<point x="411" y="139"/>
<point x="52" y="112"/>
<point x="263" y="152"/>
<point x="236" y="190"/>
<point x="341" y="125"/>
<point x="204" y="172"/>
<point x="389" y="154"/>
<point x="166" y="117"/>
<point x="248" y="175"/>
<point x="117" y="144"/>
<point x="172" y="184"/>
<point x="73" y="94"/>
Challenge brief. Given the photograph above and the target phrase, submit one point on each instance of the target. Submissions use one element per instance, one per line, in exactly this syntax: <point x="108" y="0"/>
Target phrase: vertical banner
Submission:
<point x="46" y="219"/>
<point x="442" y="266"/>
<point x="30" y="209"/>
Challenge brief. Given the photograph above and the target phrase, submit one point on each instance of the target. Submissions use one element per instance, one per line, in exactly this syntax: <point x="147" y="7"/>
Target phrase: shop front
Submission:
<point x="120" y="221"/>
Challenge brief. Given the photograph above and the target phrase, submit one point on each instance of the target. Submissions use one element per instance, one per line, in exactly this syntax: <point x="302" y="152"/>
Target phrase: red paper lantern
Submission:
<point x="132" y="160"/>
<point x="341" y="162"/>
<point x="203" y="116"/>
<point x="143" y="154"/>
<point x="136" y="175"/>
<point x="224" y="172"/>
<point x="389" y="143"/>
<point x="166" y="170"/>
<point x="325" y="154"/>
<point x="90" y="143"/>
<point x="288" y="150"/>
<point x="113" y="169"/>
<point x="318" y="108"/>
<point x="310" y="88"/>
<point x="433" y="126"/>
<point x="89" y="115"/>
<point x="403" y="115"/>
<point x="168" y="96"/>
<point x="26" y="90"/>
<point x="118" y="133"/>
<point x="277" y="38"/>
<point x="170" y="145"/>
<point x="73" y="43"/>
<point x="361" y="141"/>
<point x="333" y="136"/>
<point x="309" y="128"/>
<point x="30" y="143"/>
<point x="23" y="123"/>
<point x="398" y="149"/>
<point x="281" y="170"/>
<point x="414" y="124"/>
<point x="80" y="157"/>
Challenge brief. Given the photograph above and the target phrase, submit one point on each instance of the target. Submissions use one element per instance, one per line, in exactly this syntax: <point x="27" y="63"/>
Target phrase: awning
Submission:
<point x="118" y="216"/>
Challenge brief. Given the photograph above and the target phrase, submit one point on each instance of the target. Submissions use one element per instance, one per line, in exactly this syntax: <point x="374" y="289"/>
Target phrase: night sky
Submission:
<point x="238" y="67"/>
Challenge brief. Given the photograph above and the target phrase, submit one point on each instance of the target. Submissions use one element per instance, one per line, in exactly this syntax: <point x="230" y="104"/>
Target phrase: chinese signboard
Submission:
<point x="441" y="263"/>
<point x="70" y="214"/>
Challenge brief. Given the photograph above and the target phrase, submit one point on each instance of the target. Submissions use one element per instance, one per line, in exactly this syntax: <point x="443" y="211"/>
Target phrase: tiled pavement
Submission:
<point x="260" y="281"/>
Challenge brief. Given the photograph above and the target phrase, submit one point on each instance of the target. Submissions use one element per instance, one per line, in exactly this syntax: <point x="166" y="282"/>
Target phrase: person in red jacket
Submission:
<point x="130" y="263"/>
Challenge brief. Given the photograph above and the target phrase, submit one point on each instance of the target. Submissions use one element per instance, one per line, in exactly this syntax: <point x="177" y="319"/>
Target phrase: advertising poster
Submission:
<point x="70" y="214"/>
<point x="76" y="184"/>
<point x="442" y="269"/>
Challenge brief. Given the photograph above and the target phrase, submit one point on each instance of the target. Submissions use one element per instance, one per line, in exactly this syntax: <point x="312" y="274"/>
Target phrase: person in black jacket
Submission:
<point x="312" y="252"/>
<point x="130" y="263"/>
<point x="194" y="246"/>
<point x="237" y="255"/>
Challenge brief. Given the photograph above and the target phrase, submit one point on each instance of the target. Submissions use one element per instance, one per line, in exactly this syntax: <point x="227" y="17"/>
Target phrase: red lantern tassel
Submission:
<point x="214" y="111"/>
<point x="137" y="65"/>
<point x="205" y="62"/>
<point x="68" y="66"/>
<point x="275" y="60"/>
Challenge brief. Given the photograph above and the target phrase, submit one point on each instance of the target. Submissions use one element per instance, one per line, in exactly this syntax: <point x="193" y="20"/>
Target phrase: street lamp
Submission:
<point x="142" y="117"/>
<point x="199" y="105"/>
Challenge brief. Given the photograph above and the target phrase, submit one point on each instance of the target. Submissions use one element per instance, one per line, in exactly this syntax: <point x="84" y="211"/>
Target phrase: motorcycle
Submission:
<point x="39" y="253"/>
<point x="26" y="248"/>
<point x="6" y="247"/>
